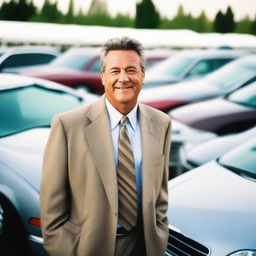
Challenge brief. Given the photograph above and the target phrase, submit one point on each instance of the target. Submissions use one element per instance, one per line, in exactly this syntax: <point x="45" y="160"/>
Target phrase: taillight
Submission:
<point x="35" y="222"/>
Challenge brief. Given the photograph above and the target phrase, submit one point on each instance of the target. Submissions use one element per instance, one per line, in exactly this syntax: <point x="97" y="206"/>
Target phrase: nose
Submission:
<point x="123" y="77"/>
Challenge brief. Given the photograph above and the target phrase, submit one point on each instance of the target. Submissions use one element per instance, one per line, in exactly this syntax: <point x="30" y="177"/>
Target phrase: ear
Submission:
<point x="143" y="77"/>
<point x="102" y="78"/>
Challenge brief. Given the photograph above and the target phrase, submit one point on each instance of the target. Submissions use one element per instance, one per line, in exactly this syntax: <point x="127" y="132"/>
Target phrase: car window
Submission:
<point x="173" y="66"/>
<point x="96" y="67"/>
<point x="27" y="59"/>
<point x="32" y="106"/>
<point x="206" y="66"/>
<point x="73" y="60"/>
<point x="231" y="75"/>
<point x="246" y="96"/>
<point x="242" y="159"/>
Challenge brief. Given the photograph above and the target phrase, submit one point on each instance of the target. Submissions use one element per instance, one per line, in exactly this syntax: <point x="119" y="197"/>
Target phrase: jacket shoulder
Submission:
<point x="155" y="115"/>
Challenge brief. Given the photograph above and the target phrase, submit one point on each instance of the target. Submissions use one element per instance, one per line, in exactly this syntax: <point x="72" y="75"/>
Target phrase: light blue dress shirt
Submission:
<point x="133" y="130"/>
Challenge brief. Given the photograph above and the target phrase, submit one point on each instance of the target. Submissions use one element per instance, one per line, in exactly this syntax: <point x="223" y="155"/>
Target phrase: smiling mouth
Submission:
<point x="124" y="88"/>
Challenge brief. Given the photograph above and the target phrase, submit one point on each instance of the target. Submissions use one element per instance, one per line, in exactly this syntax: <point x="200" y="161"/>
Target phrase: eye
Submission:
<point x="131" y="71"/>
<point x="114" y="71"/>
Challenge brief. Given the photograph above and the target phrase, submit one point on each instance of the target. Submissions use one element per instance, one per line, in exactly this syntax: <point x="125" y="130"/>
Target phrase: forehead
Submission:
<point x="121" y="58"/>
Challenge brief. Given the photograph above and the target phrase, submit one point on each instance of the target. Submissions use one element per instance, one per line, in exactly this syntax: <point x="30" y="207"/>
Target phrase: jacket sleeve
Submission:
<point x="54" y="193"/>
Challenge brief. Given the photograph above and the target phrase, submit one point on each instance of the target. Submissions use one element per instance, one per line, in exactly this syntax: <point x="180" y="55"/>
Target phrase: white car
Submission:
<point x="214" y="148"/>
<point x="27" y="106"/>
<point x="214" y="204"/>
<point x="16" y="57"/>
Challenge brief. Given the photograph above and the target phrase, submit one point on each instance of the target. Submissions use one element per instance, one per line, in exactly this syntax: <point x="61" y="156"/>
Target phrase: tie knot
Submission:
<point x="123" y="120"/>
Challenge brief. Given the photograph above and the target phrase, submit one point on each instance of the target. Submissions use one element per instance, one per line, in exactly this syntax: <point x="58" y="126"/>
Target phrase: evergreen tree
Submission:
<point x="20" y="10"/>
<point x="69" y="17"/>
<point x="229" y="21"/>
<point x="146" y="15"/>
<point x="224" y="23"/>
<point x="218" y="22"/>
<point x="50" y="12"/>
<point x="253" y="27"/>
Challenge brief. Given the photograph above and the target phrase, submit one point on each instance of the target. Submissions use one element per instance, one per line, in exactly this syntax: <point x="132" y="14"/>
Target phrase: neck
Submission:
<point x="123" y="108"/>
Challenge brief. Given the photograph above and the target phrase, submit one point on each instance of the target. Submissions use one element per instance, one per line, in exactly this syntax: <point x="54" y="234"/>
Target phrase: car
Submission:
<point x="232" y="113"/>
<point x="27" y="107"/>
<point x="13" y="58"/>
<point x="187" y="65"/>
<point x="212" y="149"/>
<point x="198" y="122"/>
<point x="76" y="68"/>
<point x="229" y="78"/>
<point x="214" y="204"/>
<point x="155" y="56"/>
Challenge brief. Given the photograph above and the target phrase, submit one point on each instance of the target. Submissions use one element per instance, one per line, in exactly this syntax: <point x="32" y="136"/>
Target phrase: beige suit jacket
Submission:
<point x="79" y="198"/>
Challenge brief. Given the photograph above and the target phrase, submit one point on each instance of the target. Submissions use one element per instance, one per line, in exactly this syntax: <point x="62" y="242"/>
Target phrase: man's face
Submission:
<point x="122" y="78"/>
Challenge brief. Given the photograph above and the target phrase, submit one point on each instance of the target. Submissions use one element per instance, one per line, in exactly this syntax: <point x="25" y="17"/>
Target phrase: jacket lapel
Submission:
<point x="98" y="136"/>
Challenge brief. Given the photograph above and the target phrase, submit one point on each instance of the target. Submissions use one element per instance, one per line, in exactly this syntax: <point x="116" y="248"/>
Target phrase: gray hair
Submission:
<point x="123" y="43"/>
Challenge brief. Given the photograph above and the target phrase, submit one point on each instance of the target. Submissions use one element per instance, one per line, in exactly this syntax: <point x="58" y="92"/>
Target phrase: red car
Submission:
<point x="79" y="68"/>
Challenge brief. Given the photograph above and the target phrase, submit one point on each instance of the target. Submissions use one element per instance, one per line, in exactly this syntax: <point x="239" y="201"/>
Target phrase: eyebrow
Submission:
<point x="125" y="68"/>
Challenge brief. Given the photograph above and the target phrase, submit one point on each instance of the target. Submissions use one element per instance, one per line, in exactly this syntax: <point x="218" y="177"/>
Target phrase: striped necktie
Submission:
<point x="126" y="178"/>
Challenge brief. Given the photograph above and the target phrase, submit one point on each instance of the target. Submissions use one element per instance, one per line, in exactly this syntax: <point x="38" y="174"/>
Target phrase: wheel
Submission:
<point x="13" y="240"/>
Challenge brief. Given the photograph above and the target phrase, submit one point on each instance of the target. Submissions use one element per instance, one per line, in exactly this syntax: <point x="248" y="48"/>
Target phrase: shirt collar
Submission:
<point x="115" y="116"/>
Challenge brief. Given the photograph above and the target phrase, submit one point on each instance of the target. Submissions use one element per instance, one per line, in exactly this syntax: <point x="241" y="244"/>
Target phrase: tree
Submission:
<point x="224" y="23"/>
<point x="146" y="15"/>
<point x="20" y="10"/>
<point x="50" y="12"/>
<point x="69" y="17"/>
<point x="218" y="22"/>
<point x="229" y="21"/>
<point x="253" y="27"/>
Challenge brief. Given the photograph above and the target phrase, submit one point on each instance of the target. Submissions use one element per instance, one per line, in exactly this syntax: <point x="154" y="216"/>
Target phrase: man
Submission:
<point x="105" y="170"/>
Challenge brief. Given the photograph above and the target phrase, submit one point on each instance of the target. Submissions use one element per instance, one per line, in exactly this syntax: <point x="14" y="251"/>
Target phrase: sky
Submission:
<point x="168" y="8"/>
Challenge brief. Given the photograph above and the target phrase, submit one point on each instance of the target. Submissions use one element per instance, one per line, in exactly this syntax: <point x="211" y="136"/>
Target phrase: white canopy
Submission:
<point x="77" y="35"/>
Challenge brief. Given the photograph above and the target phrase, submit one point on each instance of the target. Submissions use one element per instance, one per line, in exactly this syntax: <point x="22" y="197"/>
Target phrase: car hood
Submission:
<point x="211" y="114"/>
<point x="185" y="91"/>
<point x="23" y="154"/>
<point x="200" y="154"/>
<point x="215" y="207"/>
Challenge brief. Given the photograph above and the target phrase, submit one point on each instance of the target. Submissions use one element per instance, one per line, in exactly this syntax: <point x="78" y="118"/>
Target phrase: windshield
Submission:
<point x="242" y="159"/>
<point x="73" y="59"/>
<point x="173" y="66"/>
<point x="246" y="96"/>
<point x="30" y="107"/>
<point x="231" y="75"/>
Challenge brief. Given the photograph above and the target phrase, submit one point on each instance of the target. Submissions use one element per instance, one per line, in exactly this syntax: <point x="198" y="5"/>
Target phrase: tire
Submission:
<point x="13" y="235"/>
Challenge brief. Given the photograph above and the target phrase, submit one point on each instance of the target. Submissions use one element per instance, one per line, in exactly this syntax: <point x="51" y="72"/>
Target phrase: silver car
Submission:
<point x="27" y="106"/>
<point x="13" y="58"/>
<point x="214" y="205"/>
<point x="189" y="64"/>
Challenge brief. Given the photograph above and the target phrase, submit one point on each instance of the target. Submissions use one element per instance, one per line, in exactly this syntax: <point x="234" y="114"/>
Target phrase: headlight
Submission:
<point x="246" y="252"/>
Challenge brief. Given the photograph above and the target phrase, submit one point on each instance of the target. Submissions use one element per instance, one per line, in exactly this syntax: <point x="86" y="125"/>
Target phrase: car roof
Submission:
<point x="88" y="50"/>
<point x="31" y="49"/>
<point x="212" y="53"/>
<point x="13" y="81"/>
